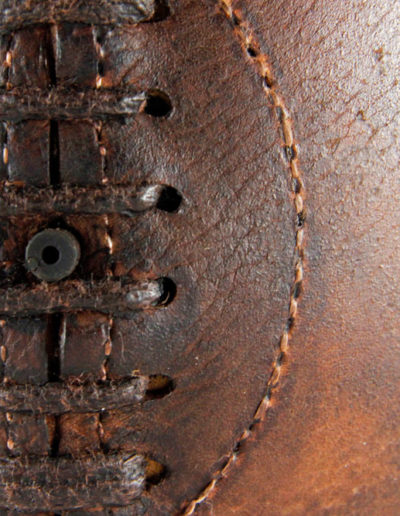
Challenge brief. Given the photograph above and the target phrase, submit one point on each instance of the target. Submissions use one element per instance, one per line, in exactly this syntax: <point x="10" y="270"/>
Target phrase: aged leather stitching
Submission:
<point x="109" y="242"/>
<point x="263" y="67"/>
<point x="107" y="342"/>
<point x="7" y="65"/>
<point x="100" y="59"/>
<point x="10" y="442"/>
<point x="98" y="125"/>
<point x="3" y="349"/>
<point x="8" y="61"/>
<point x="3" y="356"/>
<point x="5" y="148"/>
<point x="108" y="347"/>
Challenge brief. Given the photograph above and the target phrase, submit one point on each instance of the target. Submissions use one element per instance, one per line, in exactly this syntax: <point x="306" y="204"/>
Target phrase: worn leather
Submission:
<point x="330" y="441"/>
<point x="268" y="383"/>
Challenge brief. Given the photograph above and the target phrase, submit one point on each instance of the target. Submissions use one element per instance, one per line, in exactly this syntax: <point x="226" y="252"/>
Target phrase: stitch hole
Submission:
<point x="100" y="68"/>
<point x="290" y="323"/>
<point x="159" y="386"/>
<point x="279" y="113"/>
<point x="280" y="359"/>
<point x="301" y="218"/>
<point x="235" y="19"/>
<point x="168" y="291"/>
<point x="268" y="82"/>
<point x="297" y="185"/>
<point x="240" y="445"/>
<point x="291" y="152"/>
<point x="252" y="52"/>
<point x="170" y="200"/>
<point x="158" y="104"/>
<point x="297" y="290"/>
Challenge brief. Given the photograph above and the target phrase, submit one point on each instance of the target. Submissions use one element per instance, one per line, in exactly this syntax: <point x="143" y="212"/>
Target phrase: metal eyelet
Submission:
<point x="52" y="254"/>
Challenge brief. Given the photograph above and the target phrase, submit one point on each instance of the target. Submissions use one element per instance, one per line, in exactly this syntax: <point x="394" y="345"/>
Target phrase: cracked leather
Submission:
<point x="272" y="408"/>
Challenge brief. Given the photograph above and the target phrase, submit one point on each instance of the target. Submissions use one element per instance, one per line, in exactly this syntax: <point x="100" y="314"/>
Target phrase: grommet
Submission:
<point x="52" y="254"/>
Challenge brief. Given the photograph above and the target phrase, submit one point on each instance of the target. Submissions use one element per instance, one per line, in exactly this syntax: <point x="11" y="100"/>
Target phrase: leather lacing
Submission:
<point x="19" y="200"/>
<point x="57" y="483"/>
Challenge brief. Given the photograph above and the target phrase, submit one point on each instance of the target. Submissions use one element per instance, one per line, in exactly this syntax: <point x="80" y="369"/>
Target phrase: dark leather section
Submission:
<point x="49" y="484"/>
<point x="230" y="248"/>
<point x="17" y="13"/>
<point x="29" y="152"/>
<point x="57" y="398"/>
<point x="330" y="441"/>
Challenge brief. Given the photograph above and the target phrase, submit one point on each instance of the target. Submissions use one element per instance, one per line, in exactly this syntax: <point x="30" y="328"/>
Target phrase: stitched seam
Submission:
<point x="5" y="153"/>
<point x="3" y="349"/>
<point x="263" y="67"/>
<point x="100" y="61"/>
<point x="110" y="246"/>
<point x="7" y="416"/>
<point x="7" y="65"/>
<point x="8" y="62"/>
<point x="9" y="443"/>
<point x="108" y="239"/>
<point x="107" y="349"/>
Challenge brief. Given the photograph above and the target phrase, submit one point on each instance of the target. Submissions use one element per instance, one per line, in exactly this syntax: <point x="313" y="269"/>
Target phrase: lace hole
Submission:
<point x="158" y="104"/>
<point x="170" y="200"/>
<point x="168" y="291"/>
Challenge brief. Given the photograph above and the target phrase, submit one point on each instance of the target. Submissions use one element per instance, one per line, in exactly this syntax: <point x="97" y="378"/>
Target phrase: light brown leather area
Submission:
<point x="330" y="442"/>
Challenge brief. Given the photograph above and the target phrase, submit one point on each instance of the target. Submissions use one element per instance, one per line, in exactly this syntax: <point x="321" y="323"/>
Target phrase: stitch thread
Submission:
<point x="109" y="272"/>
<point x="252" y="48"/>
<point x="3" y="351"/>
<point x="5" y="154"/>
<point x="7" y="419"/>
<point x="98" y="126"/>
<point x="107" y="349"/>
<point x="109" y="241"/>
<point x="8" y="62"/>
<point x="100" y="59"/>
<point x="100" y="431"/>
<point x="99" y="84"/>
<point x="10" y="443"/>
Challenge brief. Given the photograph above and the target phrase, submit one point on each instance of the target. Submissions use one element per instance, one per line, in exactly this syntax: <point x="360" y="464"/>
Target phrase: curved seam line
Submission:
<point x="264" y="70"/>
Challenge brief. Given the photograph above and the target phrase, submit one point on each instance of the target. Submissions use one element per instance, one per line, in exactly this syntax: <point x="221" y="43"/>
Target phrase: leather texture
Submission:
<point x="228" y="343"/>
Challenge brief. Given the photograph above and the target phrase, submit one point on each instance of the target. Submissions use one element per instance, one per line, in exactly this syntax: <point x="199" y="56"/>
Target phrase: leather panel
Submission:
<point x="329" y="444"/>
<point x="230" y="249"/>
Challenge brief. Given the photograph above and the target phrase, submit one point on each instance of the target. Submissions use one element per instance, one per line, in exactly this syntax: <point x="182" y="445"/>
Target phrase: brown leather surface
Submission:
<point x="295" y="406"/>
<point x="230" y="248"/>
<point x="330" y="441"/>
